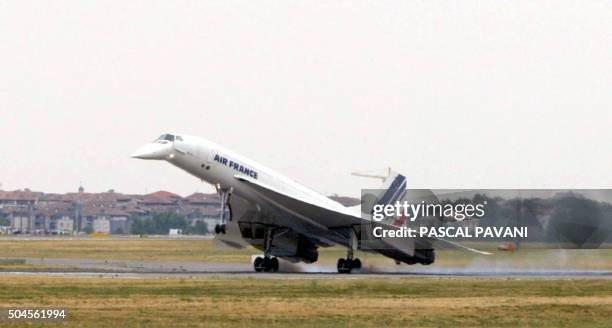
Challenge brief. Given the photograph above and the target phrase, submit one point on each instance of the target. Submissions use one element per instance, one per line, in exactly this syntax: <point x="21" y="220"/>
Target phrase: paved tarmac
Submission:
<point x="146" y="269"/>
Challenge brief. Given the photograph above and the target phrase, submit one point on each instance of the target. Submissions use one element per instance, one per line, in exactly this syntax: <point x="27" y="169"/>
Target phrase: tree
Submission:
<point x="142" y="226"/>
<point x="200" y="228"/>
<point x="577" y="221"/>
<point x="160" y="224"/>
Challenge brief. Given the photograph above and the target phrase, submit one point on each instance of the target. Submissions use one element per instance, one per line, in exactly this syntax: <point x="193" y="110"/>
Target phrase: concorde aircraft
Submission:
<point x="283" y="218"/>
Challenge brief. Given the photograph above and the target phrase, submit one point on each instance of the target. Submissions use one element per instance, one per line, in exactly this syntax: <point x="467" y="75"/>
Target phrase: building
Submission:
<point x="21" y="222"/>
<point x="101" y="225"/>
<point x="19" y="198"/>
<point x="64" y="225"/>
<point x="106" y="212"/>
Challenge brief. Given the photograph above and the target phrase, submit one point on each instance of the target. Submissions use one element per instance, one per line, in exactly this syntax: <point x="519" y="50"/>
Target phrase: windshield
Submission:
<point x="164" y="138"/>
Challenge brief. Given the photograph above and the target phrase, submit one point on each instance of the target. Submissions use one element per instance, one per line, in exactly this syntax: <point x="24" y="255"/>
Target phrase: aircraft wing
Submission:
<point x="315" y="214"/>
<point x="444" y="243"/>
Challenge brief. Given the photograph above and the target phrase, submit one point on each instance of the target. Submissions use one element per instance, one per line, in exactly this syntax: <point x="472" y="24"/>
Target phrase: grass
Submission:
<point x="346" y="301"/>
<point x="119" y="249"/>
<point x="207" y="251"/>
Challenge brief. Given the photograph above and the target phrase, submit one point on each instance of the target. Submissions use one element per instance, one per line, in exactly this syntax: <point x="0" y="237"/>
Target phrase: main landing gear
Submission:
<point x="422" y="256"/>
<point x="224" y="196"/>
<point x="267" y="263"/>
<point x="349" y="263"/>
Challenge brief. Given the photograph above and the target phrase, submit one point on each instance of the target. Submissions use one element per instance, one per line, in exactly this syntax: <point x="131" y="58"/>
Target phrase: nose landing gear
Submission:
<point x="224" y="196"/>
<point x="220" y="228"/>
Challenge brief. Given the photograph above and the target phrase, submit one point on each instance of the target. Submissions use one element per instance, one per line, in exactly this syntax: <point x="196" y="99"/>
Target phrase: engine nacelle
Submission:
<point x="294" y="247"/>
<point x="306" y="250"/>
<point x="285" y="243"/>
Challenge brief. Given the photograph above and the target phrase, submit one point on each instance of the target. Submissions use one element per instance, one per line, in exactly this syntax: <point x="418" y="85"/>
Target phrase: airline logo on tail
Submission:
<point x="396" y="191"/>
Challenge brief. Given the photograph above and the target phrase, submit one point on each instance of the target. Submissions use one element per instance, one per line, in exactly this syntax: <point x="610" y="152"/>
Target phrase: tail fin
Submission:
<point x="394" y="189"/>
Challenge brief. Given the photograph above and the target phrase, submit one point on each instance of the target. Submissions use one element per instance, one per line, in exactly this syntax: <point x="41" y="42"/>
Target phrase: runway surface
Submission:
<point x="145" y="269"/>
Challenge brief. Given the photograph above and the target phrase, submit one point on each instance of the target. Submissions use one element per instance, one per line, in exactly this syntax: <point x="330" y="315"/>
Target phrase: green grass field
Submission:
<point x="359" y="302"/>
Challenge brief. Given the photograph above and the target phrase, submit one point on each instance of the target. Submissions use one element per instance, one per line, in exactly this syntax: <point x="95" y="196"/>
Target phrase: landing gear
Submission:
<point x="349" y="264"/>
<point x="422" y="256"/>
<point x="224" y="196"/>
<point x="265" y="264"/>
<point x="220" y="228"/>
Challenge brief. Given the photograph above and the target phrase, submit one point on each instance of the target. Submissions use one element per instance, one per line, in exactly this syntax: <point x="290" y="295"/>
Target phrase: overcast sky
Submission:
<point x="487" y="94"/>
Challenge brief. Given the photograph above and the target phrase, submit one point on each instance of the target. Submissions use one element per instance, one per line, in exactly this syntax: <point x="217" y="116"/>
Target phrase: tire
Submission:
<point x="257" y="264"/>
<point x="274" y="264"/>
<point x="340" y="265"/>
<point x="344" y="266"/>
<point x="412" y="260"/>
<point x="356" y="264"/>
<point x="267" y="264"/>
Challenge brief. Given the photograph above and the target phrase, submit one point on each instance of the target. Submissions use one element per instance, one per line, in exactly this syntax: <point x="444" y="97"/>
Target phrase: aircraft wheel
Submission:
<point x="340" y="265"/>
<point x="356" y="264"/>
<point x="344" y="265"/>
<point x="411" y="260"/>
<point x="274" y="264"/>
<point x="267" y="264"/>
<point x="220" y="228"/>
<point x="258" y="264"/>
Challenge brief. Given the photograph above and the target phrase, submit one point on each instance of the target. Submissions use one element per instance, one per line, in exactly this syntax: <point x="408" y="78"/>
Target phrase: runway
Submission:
<point x="158" y="269"/>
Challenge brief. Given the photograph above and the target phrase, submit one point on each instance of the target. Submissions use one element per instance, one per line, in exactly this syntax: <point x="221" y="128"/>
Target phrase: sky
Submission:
<point x="470" y="94"/>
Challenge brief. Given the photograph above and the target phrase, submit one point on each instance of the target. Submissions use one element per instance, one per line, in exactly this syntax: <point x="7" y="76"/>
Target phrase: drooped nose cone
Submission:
<point x="153" y="151"/>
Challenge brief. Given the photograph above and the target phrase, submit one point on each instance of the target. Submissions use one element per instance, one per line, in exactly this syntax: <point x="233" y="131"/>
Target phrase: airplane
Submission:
<point x="285" y="219"/>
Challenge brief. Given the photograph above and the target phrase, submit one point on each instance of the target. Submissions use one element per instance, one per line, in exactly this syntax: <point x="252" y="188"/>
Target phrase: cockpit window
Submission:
<point x="164" y="138"/>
